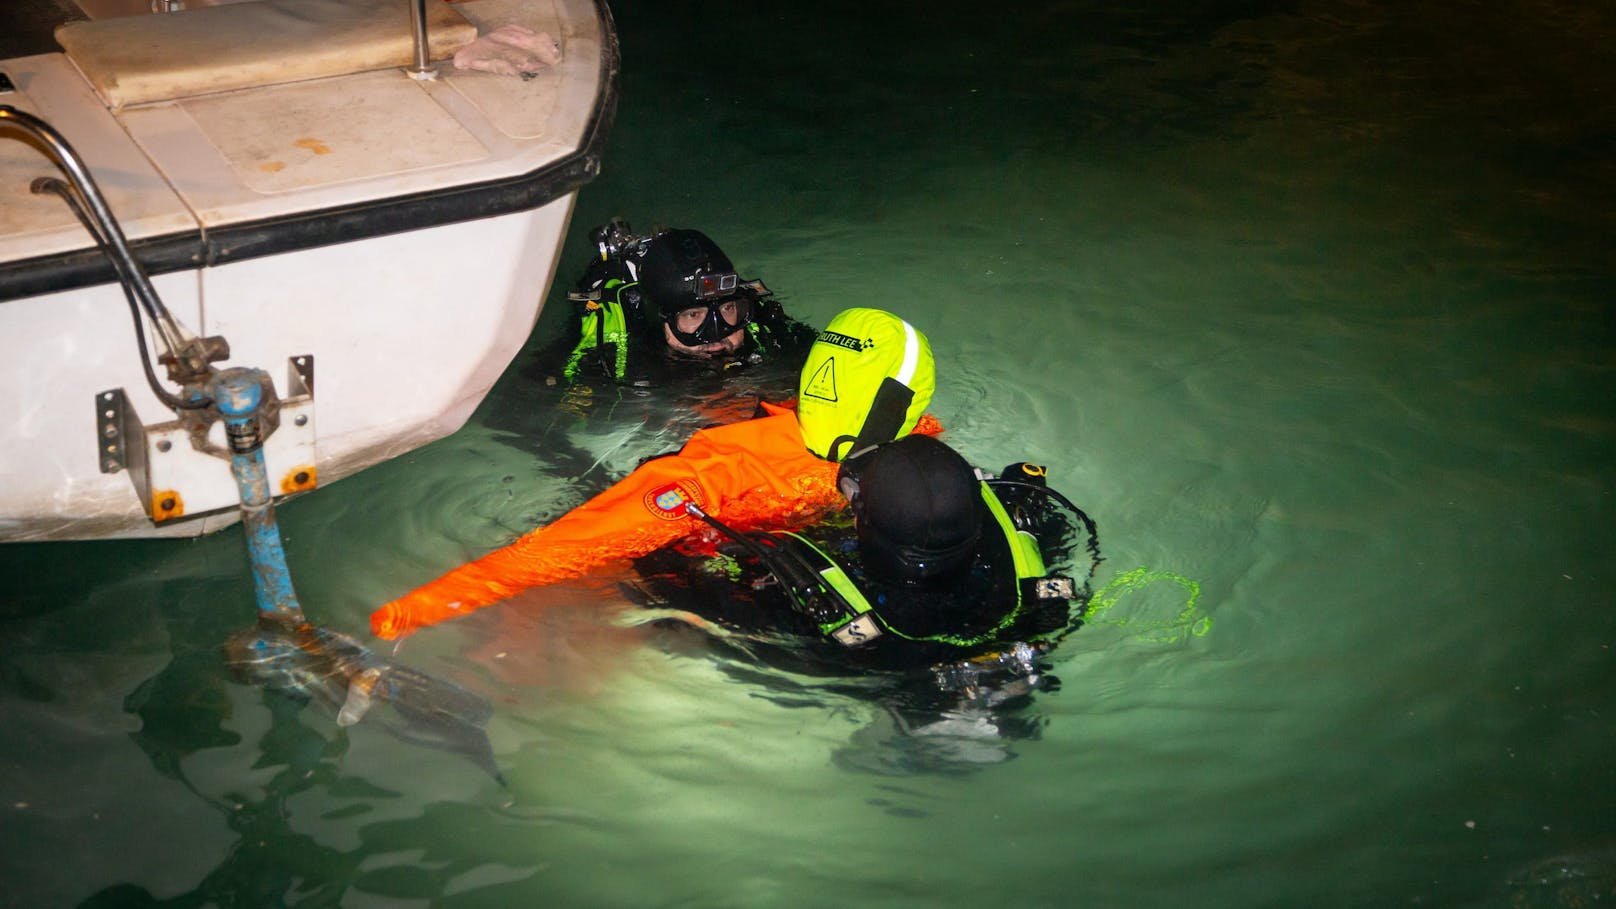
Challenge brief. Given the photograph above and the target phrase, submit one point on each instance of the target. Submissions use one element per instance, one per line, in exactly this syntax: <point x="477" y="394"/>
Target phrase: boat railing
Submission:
<point x="423" y="58"/>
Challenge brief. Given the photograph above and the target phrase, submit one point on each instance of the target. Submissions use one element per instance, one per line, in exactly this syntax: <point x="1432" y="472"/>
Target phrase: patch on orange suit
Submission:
<point x="668" y="500"/>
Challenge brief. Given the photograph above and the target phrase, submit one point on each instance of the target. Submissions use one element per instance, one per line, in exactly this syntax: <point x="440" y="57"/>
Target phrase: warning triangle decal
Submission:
<point x="823" y="384"/>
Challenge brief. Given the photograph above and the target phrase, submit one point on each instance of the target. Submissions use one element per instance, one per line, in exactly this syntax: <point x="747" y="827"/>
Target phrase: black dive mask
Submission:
<point x="710" y="321"/>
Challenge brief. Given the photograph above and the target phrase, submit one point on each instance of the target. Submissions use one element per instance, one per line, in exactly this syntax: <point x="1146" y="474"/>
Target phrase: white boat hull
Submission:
<point x="408" y="277"/>
<point x="402" y="357"/>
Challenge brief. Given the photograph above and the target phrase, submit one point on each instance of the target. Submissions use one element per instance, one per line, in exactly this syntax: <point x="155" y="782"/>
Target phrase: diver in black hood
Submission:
<point x="933" y="596"/>
<point x="937" y="569"/>
<point x="664" y="338"/>
<point x="671" y="299"/>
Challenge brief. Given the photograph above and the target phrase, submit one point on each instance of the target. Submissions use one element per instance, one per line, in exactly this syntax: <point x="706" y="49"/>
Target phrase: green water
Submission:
<point x="1309" y="304"/>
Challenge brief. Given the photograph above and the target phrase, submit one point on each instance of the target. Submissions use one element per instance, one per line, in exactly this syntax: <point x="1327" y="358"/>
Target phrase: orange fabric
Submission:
<point x="753" y="475"/>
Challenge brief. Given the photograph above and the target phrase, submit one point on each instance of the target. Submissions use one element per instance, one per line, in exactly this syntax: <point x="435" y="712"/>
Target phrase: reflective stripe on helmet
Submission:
<point x="911" y="354"/>
<point x="868" y="379"/>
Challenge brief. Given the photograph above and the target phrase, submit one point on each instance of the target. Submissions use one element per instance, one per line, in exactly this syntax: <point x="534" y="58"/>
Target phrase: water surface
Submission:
<point x="1309" y="304"/>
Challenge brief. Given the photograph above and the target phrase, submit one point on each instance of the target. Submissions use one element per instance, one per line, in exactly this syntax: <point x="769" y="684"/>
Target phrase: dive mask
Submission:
<point x="711" y="320"/>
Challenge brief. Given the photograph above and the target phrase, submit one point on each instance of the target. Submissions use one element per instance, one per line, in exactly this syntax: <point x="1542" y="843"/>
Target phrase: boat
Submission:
<point x="310" y="188"/>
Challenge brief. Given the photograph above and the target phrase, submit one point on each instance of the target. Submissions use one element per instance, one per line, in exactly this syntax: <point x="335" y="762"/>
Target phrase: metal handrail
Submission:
<point x="187" y="356"/>
<point x="422" y="68"/>
<point x="69" y="163"/>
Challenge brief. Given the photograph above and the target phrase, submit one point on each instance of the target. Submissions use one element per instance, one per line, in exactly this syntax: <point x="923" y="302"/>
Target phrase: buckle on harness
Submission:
<point x="1052" y="587"/>
<point x="859" y="630"/>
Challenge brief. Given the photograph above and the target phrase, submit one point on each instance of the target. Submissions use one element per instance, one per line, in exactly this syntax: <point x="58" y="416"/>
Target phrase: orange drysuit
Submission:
<point x="753" y="475"/>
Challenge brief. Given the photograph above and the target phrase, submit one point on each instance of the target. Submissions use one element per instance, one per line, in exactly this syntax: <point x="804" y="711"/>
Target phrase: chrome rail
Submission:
<point x="422" y="70"/>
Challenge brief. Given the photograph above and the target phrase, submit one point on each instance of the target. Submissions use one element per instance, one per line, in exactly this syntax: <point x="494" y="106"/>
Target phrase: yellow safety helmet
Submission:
<point x="868" y="379"/>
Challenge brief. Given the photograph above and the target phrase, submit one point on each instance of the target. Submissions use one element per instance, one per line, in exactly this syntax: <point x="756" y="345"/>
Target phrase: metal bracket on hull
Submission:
<point x="116" y="421"/>
<point x="179" y="472"/>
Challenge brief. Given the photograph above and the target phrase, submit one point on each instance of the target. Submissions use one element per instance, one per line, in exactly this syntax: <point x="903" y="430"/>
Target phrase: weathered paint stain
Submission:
<point x="313" y="145"/>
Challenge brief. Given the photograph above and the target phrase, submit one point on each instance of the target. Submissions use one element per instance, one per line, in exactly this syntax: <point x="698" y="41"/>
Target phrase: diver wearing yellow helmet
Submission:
<point x="934" y="560"/>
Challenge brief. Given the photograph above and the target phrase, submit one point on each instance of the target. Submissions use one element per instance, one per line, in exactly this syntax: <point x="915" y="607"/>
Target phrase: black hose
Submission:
<point x="1082" y="516"/>
<point x="751" y="545"/>
<point x="90" y="206"/>
<point x="771" y="560"/>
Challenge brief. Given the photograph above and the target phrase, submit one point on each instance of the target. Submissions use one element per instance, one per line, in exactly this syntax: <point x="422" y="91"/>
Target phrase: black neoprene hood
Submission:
<point x="919" y="510"/>
<point x="675" y="263"/>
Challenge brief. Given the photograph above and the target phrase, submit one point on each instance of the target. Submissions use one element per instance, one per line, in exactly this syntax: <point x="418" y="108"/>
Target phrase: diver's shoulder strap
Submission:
<point x="1025" y="553"/>
<point x="603" y="329"/>
<point x="857" y="622"/>
<point x="849" y="618"/>
<point x="1033" y="580"/>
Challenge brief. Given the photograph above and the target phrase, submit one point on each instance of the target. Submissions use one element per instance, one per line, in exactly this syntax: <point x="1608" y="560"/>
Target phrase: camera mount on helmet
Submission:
<point x="694" y="286"/>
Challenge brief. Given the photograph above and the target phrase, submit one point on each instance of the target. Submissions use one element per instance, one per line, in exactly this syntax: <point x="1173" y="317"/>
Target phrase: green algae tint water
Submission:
<point x="1309" y="305"/>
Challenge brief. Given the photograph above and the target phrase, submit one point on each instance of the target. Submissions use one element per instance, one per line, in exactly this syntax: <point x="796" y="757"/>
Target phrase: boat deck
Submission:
<point x="257" y="154"/>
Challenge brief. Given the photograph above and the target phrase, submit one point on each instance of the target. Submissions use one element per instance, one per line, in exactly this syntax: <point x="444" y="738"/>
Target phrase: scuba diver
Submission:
<point x="935" y="563"/>
<point x="664" y="339"/>
<point x="935" y="597"/>
<point x="668" y="304"/>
